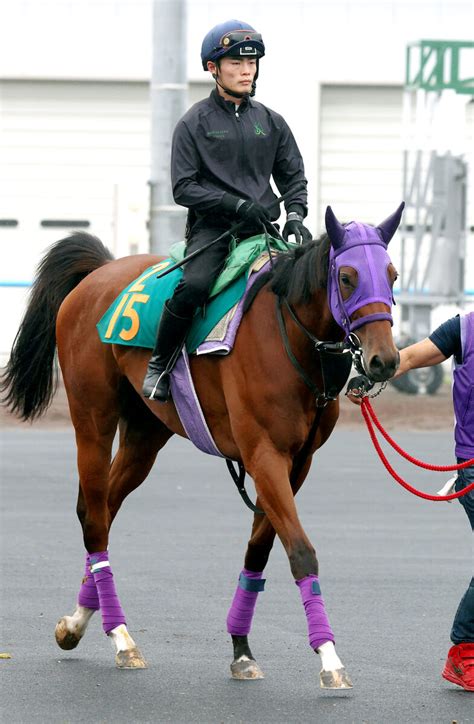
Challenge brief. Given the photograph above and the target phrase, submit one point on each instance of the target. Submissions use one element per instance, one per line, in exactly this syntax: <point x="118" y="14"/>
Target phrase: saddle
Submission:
<point x="133" y="318"/>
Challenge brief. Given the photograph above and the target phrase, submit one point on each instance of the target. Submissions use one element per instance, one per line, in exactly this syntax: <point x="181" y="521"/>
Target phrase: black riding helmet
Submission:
<point x="232" y="39"/>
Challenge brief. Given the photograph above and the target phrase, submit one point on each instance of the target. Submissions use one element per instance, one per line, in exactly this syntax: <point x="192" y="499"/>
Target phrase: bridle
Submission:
<point x="340" y="354"/>
<point x="335" y="358"/>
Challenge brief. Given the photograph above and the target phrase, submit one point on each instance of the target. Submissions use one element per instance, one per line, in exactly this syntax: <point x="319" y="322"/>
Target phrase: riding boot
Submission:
<point x="172" y="332"/>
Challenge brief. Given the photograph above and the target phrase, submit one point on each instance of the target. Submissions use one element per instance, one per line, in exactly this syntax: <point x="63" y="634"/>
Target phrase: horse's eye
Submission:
<point x="345" y="279"/>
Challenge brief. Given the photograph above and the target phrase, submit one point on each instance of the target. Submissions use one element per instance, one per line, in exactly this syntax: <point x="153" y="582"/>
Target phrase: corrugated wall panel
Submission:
<point x="361" y="157"/>
<point x="73" y="151"/>
<point x="360" y="151"/>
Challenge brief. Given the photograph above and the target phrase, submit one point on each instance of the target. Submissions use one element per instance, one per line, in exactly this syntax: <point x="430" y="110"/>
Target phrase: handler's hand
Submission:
<point x="357" y="388"/>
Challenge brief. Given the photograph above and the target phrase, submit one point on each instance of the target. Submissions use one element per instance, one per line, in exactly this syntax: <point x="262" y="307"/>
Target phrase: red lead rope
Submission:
<point x="369" y="416"/>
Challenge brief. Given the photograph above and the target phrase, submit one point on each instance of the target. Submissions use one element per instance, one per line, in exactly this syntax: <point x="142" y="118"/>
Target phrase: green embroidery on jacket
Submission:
<point x="258" y="129"/>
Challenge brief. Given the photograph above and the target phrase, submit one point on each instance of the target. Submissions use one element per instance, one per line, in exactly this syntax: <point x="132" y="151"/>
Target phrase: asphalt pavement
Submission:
<point x="392" y="569"/>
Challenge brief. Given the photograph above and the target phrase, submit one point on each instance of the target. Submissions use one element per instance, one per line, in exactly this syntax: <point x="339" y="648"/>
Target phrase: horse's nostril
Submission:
<point x="381" y="370"/>
<point x="376" y="364"/>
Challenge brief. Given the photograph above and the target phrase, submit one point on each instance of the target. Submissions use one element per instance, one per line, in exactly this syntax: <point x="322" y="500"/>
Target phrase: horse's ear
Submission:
<point x="334" y="228"/>
<point x="388" y="227"/>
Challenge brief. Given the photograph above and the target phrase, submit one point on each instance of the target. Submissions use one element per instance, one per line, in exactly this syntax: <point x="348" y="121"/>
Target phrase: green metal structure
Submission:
<point x="434" y="229"/>
<point x="435" y="65"/>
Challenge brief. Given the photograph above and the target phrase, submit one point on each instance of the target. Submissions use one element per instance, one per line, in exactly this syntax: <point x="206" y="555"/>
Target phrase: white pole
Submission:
<point x="168" y="103"/>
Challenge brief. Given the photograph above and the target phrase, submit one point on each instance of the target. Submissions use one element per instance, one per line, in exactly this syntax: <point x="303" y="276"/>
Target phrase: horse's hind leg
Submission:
<point x="95" y="416"/>
<point x="142" y="435"/>
<point x="70" y="629"/>
<point x="94" y="438"/>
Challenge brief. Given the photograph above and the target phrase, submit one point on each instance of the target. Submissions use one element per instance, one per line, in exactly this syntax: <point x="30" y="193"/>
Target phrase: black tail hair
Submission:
<point x="30" y="380"/>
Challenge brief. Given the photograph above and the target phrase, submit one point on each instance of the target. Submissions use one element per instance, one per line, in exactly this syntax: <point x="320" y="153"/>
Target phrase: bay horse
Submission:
<point x="266" y="404"/>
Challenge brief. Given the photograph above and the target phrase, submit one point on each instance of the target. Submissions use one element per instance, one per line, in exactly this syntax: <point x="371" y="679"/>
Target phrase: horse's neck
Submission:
<point x="317" y="318"/>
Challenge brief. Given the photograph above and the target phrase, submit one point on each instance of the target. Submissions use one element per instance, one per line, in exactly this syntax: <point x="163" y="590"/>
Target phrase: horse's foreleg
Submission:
<point x="259" y="547"/>
<point x="250" y="583"/>
<point x="271" y="473"/>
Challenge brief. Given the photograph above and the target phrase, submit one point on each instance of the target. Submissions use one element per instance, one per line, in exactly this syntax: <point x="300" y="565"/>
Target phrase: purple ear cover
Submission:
<point x="364" y="248"/>
<point x="336" y="231"/>
<point x="388" y="227"/>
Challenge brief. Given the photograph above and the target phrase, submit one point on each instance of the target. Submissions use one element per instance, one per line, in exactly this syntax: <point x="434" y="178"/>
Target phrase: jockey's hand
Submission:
<point x="294" y="227"/>
<point x="253" y="212"/>
<point x="357" y="388"/>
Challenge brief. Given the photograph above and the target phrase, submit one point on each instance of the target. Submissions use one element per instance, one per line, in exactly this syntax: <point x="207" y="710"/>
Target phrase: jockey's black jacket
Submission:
<point x="221" y="153"/>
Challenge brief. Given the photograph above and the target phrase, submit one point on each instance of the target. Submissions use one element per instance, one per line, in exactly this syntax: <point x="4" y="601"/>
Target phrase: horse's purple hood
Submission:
<point x="364" y="248"/>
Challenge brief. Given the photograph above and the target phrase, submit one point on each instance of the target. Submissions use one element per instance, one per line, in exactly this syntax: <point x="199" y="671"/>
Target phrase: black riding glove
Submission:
<point x="359" y="386"/>
<point x="294" y="227"/>
<point x="252" y="212"/>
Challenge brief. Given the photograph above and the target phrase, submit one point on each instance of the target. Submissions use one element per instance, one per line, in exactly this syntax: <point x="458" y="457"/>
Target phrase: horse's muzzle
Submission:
<point x="382" y="367"/>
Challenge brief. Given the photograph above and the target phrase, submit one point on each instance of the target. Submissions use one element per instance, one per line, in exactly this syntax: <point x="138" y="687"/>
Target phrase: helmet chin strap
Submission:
<point x="236" y="94"/>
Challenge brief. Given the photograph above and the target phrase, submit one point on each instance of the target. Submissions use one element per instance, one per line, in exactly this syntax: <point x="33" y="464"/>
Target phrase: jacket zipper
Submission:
<point x="241" y="145"/>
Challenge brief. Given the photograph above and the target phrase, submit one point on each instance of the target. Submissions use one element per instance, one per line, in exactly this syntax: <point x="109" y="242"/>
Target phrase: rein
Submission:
<point x="339" y="352"/>
<point x="371" y="419"/>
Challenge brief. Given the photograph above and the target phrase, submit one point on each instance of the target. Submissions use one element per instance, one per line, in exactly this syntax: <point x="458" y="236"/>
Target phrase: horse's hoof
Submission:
<point x="65" y="638"/>
<point x="130" y="659"/>
<point x="337" y="679"/>
<point x="246" y="669"/>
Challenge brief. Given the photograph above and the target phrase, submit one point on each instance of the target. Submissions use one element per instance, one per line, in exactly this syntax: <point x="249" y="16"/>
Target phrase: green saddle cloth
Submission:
<point x="133" y="317"/>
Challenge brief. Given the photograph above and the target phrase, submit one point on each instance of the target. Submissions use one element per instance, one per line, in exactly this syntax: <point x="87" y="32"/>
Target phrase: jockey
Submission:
<point x="454" y="338"/>
<point x="224" y="151"/>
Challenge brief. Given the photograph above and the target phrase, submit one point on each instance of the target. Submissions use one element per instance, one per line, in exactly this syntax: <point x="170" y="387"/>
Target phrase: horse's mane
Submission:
<point x="297" y="274"/>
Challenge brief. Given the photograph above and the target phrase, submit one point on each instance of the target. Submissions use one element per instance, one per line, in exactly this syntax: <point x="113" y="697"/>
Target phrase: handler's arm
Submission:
<point x="420" y="354"/>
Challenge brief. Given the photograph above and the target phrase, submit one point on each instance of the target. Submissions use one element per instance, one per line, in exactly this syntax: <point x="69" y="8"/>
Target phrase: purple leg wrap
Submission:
<point x="319" y="629"/>
<point x="111" y="610"/>
<point x="88" y="595"/>
<point x="239" y="618"/>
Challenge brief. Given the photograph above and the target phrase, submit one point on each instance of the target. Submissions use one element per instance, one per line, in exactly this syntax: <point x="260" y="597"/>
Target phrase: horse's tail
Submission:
<point x="30" y="380"/>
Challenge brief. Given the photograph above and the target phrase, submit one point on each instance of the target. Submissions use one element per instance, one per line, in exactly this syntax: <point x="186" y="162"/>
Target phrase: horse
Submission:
<point x="270" y="405"/>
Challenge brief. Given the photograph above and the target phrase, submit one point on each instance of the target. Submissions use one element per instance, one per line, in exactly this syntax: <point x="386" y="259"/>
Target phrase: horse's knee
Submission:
<point x="95" y="533"/>
<point x="257" y="555"/>
<point x="303" y="561"/>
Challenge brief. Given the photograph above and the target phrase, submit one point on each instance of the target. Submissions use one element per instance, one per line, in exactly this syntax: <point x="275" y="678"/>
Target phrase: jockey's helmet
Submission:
<point x="231" y="39"/>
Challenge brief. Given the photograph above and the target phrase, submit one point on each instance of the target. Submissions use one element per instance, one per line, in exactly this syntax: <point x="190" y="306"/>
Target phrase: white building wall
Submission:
<point x="309" y="43"/>
<point x="316" y="49"/>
